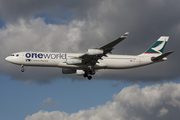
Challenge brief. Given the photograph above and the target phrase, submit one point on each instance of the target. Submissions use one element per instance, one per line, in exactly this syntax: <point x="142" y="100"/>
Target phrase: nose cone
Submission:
<point x="7" y="59"/>
<point x="14" y="60"/>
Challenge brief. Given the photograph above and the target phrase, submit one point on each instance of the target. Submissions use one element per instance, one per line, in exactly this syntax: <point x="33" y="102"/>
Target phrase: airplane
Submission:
<point x="86" y="64"/>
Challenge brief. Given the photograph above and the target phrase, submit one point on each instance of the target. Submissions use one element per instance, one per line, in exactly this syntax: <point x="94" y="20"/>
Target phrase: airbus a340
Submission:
<point x="86" y="64"/>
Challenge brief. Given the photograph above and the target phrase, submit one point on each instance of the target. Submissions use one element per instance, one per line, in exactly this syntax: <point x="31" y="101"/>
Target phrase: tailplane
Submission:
<point x="161" y="57"/>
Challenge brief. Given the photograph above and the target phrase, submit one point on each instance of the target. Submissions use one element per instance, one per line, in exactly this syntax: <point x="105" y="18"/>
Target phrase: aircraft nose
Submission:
<point x="13" y="59"/>
<point x="8" y="59"/>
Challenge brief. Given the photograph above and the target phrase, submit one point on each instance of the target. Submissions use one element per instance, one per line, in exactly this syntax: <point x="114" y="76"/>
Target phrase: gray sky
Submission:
<point x="75" y="26"/>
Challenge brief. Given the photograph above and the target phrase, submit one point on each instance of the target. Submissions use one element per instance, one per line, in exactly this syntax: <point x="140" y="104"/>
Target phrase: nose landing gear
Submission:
<point x="22" y="68"/>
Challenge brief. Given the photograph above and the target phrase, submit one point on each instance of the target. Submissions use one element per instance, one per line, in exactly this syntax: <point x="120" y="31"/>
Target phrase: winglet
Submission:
<point x="110" y="45"/>
<point x="125" y="35"/>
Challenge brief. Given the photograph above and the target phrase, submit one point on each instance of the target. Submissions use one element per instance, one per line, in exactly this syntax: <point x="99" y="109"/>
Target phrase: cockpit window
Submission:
<point x="12" y="54"/>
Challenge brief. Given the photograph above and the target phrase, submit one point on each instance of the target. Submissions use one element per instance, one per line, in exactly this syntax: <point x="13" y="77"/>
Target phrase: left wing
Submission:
<point x="109" y="47"/>
<point x="93" y="55"/>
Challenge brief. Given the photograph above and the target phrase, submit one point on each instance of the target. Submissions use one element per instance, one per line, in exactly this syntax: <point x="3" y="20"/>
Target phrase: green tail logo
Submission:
<point x="158" y="46"/>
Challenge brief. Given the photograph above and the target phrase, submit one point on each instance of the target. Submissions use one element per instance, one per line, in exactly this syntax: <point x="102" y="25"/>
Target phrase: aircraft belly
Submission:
<point x="64" y="65"/>
<point x="99" y="65"/>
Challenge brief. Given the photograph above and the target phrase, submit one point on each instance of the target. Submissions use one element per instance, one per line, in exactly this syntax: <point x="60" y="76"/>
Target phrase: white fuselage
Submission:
<point x="48" y="59"/>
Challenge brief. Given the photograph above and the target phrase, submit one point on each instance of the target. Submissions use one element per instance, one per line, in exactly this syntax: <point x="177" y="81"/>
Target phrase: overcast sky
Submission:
<point x="76" y="25"/>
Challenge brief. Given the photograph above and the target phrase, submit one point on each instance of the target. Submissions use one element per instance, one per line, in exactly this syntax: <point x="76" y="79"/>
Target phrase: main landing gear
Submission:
<point x="22" y="68"/>
<point x="89" y="72"/>
<point x="88" y="76"/>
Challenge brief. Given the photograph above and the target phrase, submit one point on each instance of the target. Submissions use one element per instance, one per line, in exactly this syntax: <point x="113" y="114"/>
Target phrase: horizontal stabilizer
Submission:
<point x="155" y="59"/>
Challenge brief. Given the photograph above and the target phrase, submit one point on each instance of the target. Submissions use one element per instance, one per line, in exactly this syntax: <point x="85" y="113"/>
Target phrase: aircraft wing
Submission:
<point x="109" y="47"/>
<point x="93" y="55"/>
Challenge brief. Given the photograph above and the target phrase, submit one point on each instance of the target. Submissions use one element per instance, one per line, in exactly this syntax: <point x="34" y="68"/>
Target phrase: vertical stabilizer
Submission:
<point x="158" y="46"/>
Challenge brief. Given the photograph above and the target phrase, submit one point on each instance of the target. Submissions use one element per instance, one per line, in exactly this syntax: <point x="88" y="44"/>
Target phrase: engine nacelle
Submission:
<point x="80" y="72"/>
<point x="95" y="52"/>
<point x="68" y="71"/>
<point x="73" y="61"/>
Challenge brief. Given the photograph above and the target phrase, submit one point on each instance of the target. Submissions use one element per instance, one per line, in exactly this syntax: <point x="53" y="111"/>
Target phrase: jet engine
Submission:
<point x="80" y="72"/>
<point x="68" y="71"/>
<point x="95" y="51"/>
<point x="73" y="61"/>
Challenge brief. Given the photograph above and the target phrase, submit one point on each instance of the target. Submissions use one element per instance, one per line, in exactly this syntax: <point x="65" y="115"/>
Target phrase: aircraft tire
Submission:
<point x="22" y="70"/>
<point x="85" y="75"/>
<point x="89" y="77"/>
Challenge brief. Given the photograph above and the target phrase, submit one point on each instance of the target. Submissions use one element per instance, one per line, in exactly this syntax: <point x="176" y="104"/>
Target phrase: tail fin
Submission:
<point x="158" y="46"/>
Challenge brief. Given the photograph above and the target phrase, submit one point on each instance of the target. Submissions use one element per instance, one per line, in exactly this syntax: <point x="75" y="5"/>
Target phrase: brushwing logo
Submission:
<point x="160" y="47"/>
<point x="157" y="47"/>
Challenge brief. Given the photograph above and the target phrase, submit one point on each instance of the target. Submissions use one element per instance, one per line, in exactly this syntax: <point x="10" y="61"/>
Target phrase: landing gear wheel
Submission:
<point x="89" y="77"/>
<point x="92" y="72"/>
<point x="85" y="75"/>
<point x="22" y="70"/>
